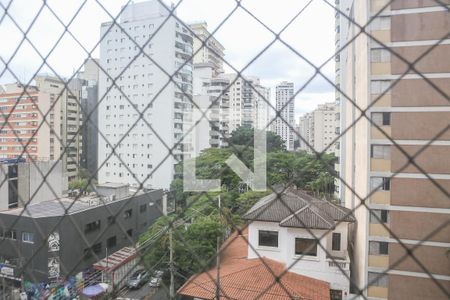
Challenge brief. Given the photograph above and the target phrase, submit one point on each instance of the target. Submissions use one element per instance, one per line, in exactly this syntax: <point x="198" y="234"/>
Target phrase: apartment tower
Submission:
<point x="143" y="111"/>
<point x="401" y="243"/>
<point x="285" y="106"/>
<point x="28" y="135"/>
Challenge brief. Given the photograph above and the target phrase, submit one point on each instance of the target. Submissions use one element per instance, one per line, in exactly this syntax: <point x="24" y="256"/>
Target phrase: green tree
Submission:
<point x="244" y="135"/>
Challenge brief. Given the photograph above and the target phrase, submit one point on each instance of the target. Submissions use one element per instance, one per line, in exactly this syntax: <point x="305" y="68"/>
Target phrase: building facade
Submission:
<point x="22" y="182"/>
<point x="320" y="128"/>
<point x="248" y="102"/>
<point x="285" y="106"/>
<point x="89" y="102"/>
<point x="209" y="90"/>
<point x="26" y="134"/>
<point x="39" y="246"/>
<point x="401" y="244"/>
<point x="144" y="112"/>
<point x="288" y="227"/>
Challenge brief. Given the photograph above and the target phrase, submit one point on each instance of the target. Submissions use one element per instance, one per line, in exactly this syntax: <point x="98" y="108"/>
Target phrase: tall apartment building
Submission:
<point x="143" y="115"/>
<point x="285" y="105"/>
<point x="88" y="99"/>
<point x="305" y="131"/>
<point x="411" y="109"/>
<point x="209" y="90"/>
<point x="58" y="138"/>
<point x="320" y="128"/>
<point x="248" y="102"/>
<point x="207" y="49"/>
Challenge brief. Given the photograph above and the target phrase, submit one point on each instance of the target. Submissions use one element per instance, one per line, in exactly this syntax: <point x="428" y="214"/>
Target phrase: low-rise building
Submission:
<point x="54" y="239"/>
<point x="307" y="234"/>
<point x="22" y="182"/>
<point x="252" y="278"/>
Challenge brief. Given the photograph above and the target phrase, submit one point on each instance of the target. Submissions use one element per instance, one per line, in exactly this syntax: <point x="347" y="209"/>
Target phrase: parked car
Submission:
<point x="158" y="274"/>
<point x="138" y="279"/>
<point x="155" y="282"/>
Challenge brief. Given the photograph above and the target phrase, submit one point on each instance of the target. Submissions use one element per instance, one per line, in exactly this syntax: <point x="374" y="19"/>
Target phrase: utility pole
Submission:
<point x="172" y="283"/>
<point x="218" y="269"/>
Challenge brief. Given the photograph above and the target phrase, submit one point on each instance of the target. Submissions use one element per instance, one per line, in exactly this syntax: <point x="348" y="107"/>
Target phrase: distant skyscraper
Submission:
<point x="285" y="105"/>
<point x="143" y="131"/>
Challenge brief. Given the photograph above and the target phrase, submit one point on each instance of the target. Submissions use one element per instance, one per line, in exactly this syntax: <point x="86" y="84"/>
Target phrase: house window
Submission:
<point x="268" y="238"/>
<point x="93" y="226"/>
<point x="111" y="242"/>
<point x="128" y="213"/>
<point x="305" y="247"/>
<point x="380" y="183"/>
<point x="28" y="237"/>
<point x="381" y="151"/>
<point x="143" y="208"/>
<point x="335" y="294"/>
<point x="336" y="242"/>
<point x="378" y="248"/>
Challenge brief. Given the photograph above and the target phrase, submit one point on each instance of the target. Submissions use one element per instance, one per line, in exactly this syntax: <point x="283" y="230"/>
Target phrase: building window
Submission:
<point x="97" y="248"/>
<point x="381" y="118"/>
<point x="378" y="248"/>
<point x="305" y="247"/>
<point x="381" y="151"/>
<point x="380" y="183"/>
<point x="10" y="235"/>
<point x="28" y="237"/>
<point x="268" y="238"/>
<point x="379" y="216"/>
<point x="128" y="213"/>
<point x="93" y="226"/>
<point x="376" y="279"/>
<point x="111" y="220"/>
<point x="111" y="242"/>
<point x="336" y="242"/>
<point x="335" y="294"/>
<point x="130" y="232"/>
<point x="143" y="208"/>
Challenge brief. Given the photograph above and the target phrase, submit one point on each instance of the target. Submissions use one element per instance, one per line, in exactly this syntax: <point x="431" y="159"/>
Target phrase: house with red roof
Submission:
<point x="295" y="247"/>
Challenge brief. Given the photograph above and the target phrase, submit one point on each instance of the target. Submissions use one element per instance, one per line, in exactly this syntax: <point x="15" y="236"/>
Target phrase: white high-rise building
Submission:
<point x="285" y="105"/>
<point x="248" y="102"/>
<point x="143" y="115"/>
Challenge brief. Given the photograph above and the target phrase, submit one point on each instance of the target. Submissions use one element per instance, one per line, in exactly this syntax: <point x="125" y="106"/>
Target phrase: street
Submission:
<point x="145" y="293"/>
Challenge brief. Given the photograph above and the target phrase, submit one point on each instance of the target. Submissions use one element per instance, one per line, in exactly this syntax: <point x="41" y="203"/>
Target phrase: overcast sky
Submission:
<point x="311" y="34"/>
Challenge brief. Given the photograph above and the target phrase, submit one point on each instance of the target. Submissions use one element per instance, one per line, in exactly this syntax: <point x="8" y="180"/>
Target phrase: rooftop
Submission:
<point x="242" y="278"/>
<point x="294" y="208"/>
<point x="52" y="208"/>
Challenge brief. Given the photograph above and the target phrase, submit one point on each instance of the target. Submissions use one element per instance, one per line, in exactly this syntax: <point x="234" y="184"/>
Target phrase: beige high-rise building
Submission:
<point x="401" y="245"/>
<point x="320" y="128"/>
<point x="56" y="139"/>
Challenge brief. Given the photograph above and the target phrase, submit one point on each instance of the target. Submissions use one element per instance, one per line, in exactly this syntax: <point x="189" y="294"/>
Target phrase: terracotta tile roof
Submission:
<point x="242" y="278"/>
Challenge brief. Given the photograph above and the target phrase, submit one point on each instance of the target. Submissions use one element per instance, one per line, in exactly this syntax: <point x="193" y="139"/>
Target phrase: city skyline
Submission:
<point x="238" y="52"/>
